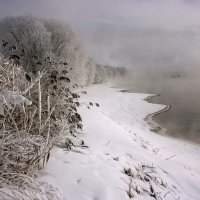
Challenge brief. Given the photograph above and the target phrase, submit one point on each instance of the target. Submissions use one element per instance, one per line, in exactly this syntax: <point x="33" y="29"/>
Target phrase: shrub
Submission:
<point x="35" y="111"/>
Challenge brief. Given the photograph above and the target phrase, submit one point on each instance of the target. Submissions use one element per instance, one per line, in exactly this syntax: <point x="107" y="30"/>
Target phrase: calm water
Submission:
<point x="183" y="119"/>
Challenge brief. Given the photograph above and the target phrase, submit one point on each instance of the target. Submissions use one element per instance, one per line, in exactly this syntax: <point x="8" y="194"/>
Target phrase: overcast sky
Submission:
<point x="168" y="14"/>
<point x="139" y="34"/>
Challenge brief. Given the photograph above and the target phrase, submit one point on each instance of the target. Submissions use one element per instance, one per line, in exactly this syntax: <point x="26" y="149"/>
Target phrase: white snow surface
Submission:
<point x="11" y="98"/>
<point x="124" y="156"/>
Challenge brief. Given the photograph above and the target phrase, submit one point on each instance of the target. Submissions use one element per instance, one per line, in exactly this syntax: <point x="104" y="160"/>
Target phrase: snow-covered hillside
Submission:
<point x="121" y="158"/>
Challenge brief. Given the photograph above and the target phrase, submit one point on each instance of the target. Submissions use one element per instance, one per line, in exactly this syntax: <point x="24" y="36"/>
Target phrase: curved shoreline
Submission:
<point x="155" y="127"/>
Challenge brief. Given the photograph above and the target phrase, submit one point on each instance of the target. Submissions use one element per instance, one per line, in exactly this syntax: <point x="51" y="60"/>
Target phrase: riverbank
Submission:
<point x="155" y="127"/>
<point x="124" y="158"/>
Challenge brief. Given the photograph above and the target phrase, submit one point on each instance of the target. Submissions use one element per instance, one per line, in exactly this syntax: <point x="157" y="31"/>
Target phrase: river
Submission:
<point x="182" y="120"/>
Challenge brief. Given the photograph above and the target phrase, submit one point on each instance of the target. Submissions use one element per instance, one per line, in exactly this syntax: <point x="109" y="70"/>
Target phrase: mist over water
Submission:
<point x="182" y="121"/>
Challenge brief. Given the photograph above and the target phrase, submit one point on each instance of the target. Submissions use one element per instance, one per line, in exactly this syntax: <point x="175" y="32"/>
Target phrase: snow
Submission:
<point x="11" y="98"/>
<point x="124" y="159"/>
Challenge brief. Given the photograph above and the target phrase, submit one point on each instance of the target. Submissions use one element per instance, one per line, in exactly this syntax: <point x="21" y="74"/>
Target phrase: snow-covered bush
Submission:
<point x="31" y="38"/>
<point x="35" y="111"/>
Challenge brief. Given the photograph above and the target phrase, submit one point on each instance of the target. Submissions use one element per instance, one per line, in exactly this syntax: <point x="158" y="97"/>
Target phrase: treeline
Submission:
<point x="36" y="39"/>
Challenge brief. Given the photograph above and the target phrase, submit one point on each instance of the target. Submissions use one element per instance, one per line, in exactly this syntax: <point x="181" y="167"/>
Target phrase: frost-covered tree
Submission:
<point x="28" y="38"/>
<point x="39" y="39"/>
<point x="91" y="71"/>
<point x="65" y="46"/>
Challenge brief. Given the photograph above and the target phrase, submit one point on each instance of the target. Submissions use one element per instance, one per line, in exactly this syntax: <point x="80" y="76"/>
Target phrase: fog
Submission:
<point x="143" y="35"/>
<point x="157" y="40"/>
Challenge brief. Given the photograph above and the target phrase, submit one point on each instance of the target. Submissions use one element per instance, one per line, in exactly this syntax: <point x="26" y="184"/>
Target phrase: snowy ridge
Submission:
<point x="124" y="159"/>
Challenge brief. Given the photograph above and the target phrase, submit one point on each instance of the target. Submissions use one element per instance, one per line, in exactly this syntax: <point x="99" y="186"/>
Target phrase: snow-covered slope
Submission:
<point x="124" y="159"/>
